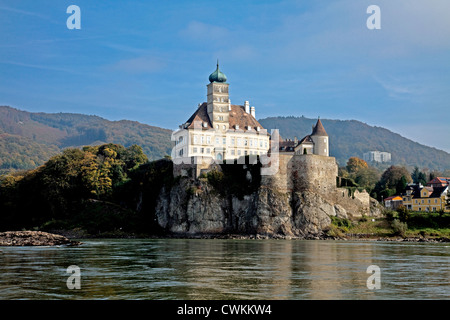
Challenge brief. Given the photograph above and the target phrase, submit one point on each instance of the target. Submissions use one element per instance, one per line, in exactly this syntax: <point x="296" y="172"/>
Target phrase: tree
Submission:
<point x="419" y="176"/>
<point x="392" y="175"/>
<point x="391" y="181"/>
<point x="367" y="177"/>
<point x="401" y="185"/>
<point x="354" y="164"/>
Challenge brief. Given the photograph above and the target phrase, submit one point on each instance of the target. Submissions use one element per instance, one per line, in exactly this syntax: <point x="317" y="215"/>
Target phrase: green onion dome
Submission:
<point x="217" y="76"/>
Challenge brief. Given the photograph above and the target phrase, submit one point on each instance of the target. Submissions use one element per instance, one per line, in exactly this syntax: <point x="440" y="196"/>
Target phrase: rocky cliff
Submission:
<point x="198" y="206"/>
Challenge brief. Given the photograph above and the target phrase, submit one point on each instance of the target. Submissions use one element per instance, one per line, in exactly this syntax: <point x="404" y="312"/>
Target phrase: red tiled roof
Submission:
<point x="237" y="116"/>
<point x="319" y="130"/>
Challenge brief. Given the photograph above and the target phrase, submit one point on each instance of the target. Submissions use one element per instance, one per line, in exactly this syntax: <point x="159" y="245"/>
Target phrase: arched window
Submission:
<point x="219" y="156"/>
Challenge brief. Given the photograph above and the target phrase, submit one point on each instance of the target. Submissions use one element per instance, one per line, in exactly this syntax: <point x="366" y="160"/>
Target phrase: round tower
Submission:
<point x="320" y="139"/>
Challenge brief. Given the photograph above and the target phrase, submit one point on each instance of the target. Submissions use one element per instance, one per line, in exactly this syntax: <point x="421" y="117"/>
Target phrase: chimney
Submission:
<point x="295" y="140"/>
<point x="247" y="107"/>
<point x="252" y="112"/>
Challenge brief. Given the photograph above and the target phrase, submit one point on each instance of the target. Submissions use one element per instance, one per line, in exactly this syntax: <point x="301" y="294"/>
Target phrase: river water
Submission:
<point x="227" y="269"/>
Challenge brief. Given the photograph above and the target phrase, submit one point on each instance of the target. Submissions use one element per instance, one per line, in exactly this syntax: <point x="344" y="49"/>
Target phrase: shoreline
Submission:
<point x="71" y="237"/>
<point x="234" y="236"/>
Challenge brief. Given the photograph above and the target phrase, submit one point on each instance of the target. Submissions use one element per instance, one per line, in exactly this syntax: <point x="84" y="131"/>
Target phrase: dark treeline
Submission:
<point x="97" y="189"/>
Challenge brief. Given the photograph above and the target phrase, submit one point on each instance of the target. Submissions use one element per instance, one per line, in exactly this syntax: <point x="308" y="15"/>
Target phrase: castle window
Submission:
<point x="238" y="141"/>
<point x="265" y="144"/>
<point x="245" y="142"/>
<point x="194" y="150"/>
<point x="202" y="139"/>
<point x="219" y="156"/>
<point x="208" y="150"/>
<point x="251" y="143"/>
<point x="232" y="141"/>
<point x="180" y="153"/>
<point x="217" y="140"/>
<point x="224" y="141"/>
<point x="208" y="139"/>
<point x="224" y="127"/>
<point x="232" y="152"/>
<point x="260" y="143"/>
<point x="195" y="139"/>
<point x="217" y="126"/>
<point x="239" y="152"/>
<point x="202" y="150"/>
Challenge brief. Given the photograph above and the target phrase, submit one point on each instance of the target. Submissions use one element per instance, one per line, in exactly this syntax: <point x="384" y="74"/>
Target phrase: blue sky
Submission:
<point x="150" y="60"/>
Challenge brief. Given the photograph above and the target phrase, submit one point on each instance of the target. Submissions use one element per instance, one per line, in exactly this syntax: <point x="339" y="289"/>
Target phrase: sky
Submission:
<point x="150" y="61"/>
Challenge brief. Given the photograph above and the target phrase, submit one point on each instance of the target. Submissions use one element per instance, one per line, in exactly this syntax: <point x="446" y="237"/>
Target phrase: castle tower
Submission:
<point x="218" y="100"/>
<point x="320" y="139"/>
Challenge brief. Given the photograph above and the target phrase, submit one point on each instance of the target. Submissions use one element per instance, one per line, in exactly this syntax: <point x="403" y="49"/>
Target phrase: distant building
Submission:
<point x="377" y="156"/>
<point x="439" y="182"/>
<point x="393" y="202"/>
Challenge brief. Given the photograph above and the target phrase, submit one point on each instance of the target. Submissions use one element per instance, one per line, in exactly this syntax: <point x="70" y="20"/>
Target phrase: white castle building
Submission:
<point x="220" y="130"/>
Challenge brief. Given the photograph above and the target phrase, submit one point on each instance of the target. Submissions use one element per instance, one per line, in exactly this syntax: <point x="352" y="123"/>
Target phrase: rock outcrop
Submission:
<point x="33" y="238"/>
<point x="196" y="207"/>
<point x="297" y="200"/>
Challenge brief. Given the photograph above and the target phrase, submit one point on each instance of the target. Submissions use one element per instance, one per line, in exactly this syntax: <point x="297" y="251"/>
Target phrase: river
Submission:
<point x="219" y="269"/>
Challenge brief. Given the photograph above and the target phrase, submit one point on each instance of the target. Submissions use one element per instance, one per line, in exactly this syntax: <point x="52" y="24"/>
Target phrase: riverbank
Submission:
<point x="81" y="234"/>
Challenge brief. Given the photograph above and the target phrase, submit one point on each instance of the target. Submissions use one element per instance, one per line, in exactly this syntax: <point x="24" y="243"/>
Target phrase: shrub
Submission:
<point x="399" y="228"/>
<point x="389" y="214"/>
<point x="403" y="213"/>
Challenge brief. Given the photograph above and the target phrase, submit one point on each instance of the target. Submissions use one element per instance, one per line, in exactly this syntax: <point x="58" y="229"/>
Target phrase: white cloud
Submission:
<point x="139" y="65"/>
<point x="200" y="31"/>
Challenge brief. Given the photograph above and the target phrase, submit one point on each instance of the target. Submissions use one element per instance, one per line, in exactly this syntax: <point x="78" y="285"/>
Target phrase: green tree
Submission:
<point x="401" y="185"/>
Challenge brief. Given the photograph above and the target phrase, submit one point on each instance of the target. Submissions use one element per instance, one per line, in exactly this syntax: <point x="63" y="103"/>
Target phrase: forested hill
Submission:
<point x="353" y="138"/>
<point x="29" y="139"/>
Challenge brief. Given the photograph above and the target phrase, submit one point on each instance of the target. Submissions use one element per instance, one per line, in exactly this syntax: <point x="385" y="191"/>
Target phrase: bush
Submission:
<point x="341" y="222"/>
<point x="399" y="228"/>
<point x="403" y="213"/>
<point x="389" y="214"/>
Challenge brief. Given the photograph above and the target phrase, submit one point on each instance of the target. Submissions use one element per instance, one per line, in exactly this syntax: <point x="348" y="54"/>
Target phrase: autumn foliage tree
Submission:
<point x="354" y="164"/>
<point x="60" y="187"/>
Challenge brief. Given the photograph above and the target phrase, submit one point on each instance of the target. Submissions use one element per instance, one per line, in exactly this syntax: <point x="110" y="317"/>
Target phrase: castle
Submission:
<point x="297" y="193"/>
<point x="219" y="131"/>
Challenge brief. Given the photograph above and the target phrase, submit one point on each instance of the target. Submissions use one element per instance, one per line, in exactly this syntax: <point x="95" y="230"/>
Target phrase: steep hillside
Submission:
<point x="29" y="139"/>
<point x="353" y="138"/>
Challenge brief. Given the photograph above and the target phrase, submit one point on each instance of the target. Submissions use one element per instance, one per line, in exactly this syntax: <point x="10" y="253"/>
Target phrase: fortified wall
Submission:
<point x="316" y="174"/>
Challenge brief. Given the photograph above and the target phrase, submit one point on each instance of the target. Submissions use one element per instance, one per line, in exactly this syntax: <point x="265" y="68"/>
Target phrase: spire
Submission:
<point x="319" y="130"/>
